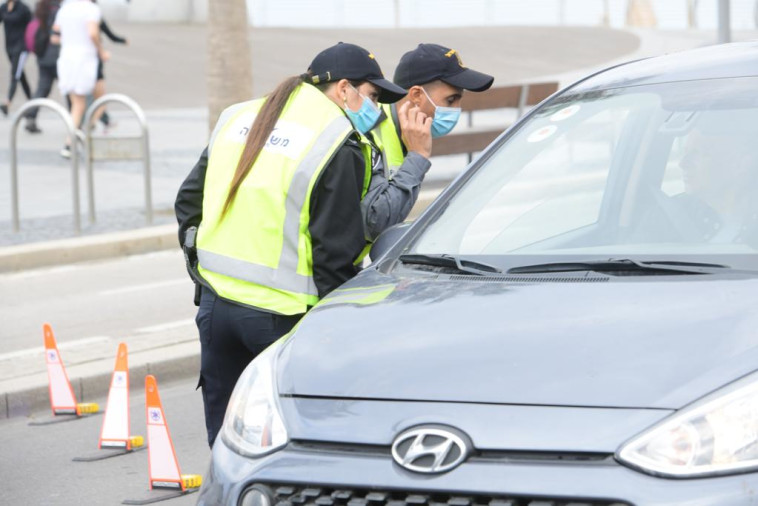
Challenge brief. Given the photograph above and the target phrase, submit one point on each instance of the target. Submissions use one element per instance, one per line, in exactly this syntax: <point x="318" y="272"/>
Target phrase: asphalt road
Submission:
<point x="36" y="461"/>
<point x="108" y="299"/>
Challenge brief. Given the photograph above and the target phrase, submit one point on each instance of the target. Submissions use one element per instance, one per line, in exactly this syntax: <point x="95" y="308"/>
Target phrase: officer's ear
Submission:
<point x="337" y="91"/>
<point x="341" y="89"/>
<point x="416" y="95"/>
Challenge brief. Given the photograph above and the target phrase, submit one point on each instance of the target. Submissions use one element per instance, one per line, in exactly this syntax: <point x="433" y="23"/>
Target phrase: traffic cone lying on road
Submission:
<point x="62" y="399"/>
<point x="114" y="434"/>
<point x="115" y="431"/>
<point x="163" y="466"/>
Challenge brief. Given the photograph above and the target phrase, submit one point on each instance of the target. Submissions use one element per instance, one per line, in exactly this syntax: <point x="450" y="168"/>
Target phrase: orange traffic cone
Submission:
<point x="163" y="466"/>
<point x="114" y="434"/>
<point x="115" y="431"/>
<point x="62" y="399"/>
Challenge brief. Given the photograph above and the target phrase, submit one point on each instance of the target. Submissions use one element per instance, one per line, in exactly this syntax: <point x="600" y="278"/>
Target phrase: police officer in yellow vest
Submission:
<point x="435" y="78"/>
<point x="277" y="197"/>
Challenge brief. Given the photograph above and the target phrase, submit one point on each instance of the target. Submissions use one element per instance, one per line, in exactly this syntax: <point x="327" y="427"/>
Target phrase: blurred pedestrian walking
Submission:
<point x="15" y="15"/>
<point x="47" y="57"/>
<point x="101" y="114"/>
<point x="78" y="23"/>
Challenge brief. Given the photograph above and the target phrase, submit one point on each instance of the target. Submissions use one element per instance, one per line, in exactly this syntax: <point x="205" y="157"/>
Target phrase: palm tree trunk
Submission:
<point x="640" y="13"/>
<point x="229" y="74"/>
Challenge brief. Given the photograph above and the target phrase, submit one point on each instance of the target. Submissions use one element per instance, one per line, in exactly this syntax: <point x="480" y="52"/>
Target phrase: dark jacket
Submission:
<point x="50" y="57"/>
<point x="15" y="25"/>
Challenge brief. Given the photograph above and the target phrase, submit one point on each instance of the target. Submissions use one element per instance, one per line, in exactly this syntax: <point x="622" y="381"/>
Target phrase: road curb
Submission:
<point x="80" y="249"/>
<point x="172" y="363"/>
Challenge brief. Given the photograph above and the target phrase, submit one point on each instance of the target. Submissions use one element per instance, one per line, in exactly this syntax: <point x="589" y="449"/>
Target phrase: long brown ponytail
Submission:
<point x="259" y="133"/>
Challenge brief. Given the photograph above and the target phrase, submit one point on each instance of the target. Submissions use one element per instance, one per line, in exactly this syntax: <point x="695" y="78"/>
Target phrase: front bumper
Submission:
<point x="354" y="473"/>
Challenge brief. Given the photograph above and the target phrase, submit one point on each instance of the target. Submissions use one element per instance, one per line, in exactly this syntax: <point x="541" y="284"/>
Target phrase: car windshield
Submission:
<point x="645" y="171"/>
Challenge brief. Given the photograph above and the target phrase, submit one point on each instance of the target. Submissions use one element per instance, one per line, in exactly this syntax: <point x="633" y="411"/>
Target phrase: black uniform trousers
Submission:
<point x="47" y="76"/>
<point x="17" y="61"/>
<point x="231" y="336"/>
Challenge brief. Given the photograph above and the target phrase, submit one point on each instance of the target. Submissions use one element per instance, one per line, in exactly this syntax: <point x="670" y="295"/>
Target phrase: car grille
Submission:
<point x="304" y="495"/>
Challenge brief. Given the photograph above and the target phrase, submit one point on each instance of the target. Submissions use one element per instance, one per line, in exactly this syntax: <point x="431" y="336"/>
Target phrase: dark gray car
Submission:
<point x="573" y="321"/>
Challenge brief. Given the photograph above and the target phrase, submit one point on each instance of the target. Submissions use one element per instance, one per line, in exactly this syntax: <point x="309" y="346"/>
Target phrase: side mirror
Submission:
<point x="387" y="239"/>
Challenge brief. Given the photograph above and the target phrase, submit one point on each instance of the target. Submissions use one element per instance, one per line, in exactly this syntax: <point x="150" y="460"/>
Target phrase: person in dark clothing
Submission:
<point x="46" y="62"/>
<point x="274" y="202"/>
<point x="15" y="15"/>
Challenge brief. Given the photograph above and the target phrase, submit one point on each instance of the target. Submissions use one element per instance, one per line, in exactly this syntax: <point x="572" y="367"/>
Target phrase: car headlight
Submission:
<point x="253" y="425"/>
<point x="717" y="435"/>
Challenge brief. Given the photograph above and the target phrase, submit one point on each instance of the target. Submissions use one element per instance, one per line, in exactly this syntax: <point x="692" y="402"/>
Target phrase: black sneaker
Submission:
<point x="66" y="151"/>
<point x="4" y="109"/>
<point x="32" y="128"/>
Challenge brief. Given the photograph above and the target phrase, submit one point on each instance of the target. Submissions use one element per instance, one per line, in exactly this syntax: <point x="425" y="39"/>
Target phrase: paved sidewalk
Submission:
<point x="168" y="354"/>
<point x="163" y="70"/>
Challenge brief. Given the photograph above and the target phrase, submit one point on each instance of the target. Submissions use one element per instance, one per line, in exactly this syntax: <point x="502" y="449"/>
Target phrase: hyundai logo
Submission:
<point x="430" y="449"/>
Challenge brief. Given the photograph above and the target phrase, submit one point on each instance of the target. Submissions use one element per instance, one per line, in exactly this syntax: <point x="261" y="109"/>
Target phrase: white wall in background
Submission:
<point x="671" y="14"/>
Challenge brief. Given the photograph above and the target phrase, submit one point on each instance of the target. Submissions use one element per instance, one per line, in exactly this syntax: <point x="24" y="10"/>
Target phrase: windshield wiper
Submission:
<point x="451" y="262"/>
<point x="625" y="265"/>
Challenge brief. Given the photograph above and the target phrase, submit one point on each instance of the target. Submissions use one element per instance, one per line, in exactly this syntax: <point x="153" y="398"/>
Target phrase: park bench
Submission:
<point x="474" y="139"/>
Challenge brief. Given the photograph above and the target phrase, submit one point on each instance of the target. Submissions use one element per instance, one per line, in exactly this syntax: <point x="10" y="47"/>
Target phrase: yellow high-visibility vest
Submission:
<point x="389" y="142"/>
<point x="260" y="254"/>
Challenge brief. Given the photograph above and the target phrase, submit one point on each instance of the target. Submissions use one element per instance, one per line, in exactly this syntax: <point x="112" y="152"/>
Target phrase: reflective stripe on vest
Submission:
<point x="248" y="270"/>
<point x="389" y="142"/>
<point x="284" y="276"/>
<point x="369" y="149"/>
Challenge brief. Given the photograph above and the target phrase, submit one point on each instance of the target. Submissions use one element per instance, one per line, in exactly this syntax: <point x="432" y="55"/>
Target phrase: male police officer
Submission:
<point x="435" y="78"/>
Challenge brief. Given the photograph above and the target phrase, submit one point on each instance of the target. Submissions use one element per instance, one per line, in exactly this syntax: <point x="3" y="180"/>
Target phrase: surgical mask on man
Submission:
<point x="367" y="115"/>
<point x="445" y="118"/>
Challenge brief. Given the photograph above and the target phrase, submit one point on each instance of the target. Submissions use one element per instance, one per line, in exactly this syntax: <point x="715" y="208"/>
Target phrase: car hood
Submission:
<point x="641" y="343"/>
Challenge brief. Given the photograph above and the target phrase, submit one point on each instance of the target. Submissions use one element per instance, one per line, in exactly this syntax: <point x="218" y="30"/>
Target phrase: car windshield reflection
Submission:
<point x="656" y="171"/>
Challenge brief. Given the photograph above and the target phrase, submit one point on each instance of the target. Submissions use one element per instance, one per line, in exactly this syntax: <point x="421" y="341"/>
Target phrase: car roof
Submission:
<point x="711" y="62"/>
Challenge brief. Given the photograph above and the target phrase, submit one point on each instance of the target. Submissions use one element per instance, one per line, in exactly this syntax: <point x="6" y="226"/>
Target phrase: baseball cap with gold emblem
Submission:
<point x="429" y="62"/>
<point x="348" y="61"/>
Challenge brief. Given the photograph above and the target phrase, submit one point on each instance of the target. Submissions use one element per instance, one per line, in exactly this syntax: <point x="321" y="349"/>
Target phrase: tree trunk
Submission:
<point x="639" y="13"/>
<point x="691" y="13"/>
<point x="229" y="74"/>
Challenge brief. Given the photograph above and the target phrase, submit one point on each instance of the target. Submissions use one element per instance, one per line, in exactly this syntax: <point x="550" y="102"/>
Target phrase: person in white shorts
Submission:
<point x="77" y="25"/>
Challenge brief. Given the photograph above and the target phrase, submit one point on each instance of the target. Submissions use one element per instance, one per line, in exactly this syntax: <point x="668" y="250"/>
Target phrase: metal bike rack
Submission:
<point x="63" y="113"/>
<point x="128" y="154"/>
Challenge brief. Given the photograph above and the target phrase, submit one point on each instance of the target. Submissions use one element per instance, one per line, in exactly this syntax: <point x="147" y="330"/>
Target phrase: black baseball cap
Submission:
<point x="348" y="61"/>
<point x="429" y="62"/>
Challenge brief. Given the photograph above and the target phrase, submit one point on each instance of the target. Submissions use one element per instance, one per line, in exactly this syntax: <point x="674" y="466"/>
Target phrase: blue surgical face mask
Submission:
<point x="366" y="117"/>
<point x="445" y="118"/>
